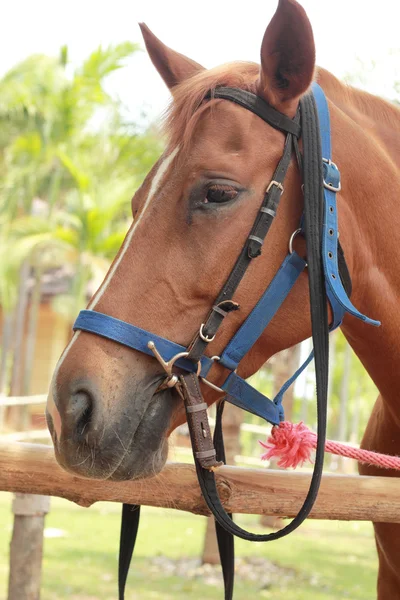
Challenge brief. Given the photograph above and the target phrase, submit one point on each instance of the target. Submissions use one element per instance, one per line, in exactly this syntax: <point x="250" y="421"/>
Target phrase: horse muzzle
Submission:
<point x="108" y="438"/>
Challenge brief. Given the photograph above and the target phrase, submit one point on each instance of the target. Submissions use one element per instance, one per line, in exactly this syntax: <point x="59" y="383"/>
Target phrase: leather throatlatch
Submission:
<point x="188" y="388"/>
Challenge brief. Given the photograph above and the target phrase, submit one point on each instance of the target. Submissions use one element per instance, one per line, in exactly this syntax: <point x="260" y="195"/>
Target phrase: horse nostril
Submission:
<point x="81" y="410"/>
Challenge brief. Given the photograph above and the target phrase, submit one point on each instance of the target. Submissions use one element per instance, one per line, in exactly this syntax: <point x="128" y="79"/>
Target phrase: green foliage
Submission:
<point x="70" y="163"/>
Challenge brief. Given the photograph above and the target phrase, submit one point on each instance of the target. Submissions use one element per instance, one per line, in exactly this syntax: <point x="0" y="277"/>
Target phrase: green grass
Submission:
<point x="324" y="560"/>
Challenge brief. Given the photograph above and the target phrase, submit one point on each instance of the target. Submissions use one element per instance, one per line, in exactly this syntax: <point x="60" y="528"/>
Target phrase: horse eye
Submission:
<point x="218" y="194"/>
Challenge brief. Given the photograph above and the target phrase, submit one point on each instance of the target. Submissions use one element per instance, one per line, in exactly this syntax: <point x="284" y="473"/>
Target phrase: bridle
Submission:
<point x="328" y="280"/>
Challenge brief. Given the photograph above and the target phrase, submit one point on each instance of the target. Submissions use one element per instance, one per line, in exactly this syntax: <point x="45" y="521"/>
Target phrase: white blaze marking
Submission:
<point x="153" y="189"/>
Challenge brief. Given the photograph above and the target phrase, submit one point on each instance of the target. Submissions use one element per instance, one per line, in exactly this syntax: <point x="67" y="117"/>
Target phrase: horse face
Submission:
<point x="192" y="216"/>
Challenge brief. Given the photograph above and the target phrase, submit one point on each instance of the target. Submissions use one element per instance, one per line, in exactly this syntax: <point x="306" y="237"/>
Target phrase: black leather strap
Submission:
<point x="129" y="530"/>
<point x="225" y="539"/>
<point x="313" y="209"/>
<point x="258" y="106"/>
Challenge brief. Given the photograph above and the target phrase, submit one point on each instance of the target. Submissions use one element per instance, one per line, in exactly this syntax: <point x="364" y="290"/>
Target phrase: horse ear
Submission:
<point x="172" y="66"/>
<point x="287" y="57"/>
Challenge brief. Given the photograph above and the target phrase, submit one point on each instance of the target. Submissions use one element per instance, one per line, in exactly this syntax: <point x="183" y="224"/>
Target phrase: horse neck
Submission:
<point x="366" y="146"/>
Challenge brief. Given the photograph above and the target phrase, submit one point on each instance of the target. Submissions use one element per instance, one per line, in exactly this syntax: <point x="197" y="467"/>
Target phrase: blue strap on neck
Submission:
<point x="338" y="298"/>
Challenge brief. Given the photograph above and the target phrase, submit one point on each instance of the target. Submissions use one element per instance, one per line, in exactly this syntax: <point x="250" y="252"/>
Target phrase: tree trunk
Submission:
<point x="26" y="549"/>
<point x="5" y="355"/>
<point x="285" y="364"/>
<point x="344" y="398"/>
<point x="232" y="420"/>
<point x="33" y="316"/>
<point x="355" y="423"/>
<point x="5" y="350"/>
<point x="16" y="375"/>
<point x="210" y="553"/>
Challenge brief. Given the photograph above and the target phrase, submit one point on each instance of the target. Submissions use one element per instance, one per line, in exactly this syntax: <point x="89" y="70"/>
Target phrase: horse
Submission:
<point x="108" y="416"/>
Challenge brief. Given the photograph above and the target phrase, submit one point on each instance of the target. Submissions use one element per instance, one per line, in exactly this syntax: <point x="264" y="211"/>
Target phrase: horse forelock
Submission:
<point x="185" y="109"/>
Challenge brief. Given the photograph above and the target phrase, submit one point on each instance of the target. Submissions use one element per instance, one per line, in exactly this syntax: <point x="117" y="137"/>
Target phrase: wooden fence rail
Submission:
<point x="31" y="468"/>
<point x="22" y="400"/>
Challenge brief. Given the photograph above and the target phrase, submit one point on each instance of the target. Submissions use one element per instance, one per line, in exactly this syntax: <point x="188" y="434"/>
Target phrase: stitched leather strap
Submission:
<point x="196" y="414"/>
<point x="225" y="539"/>
<point x="258" y="106"/>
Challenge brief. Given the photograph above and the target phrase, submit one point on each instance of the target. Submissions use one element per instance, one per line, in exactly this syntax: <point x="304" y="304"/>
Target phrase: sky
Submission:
<point x="210" y="32"/>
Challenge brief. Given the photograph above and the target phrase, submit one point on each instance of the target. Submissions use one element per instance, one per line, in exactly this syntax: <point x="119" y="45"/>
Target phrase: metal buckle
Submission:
<point x="278" y="185"/>
<point x="205" y="338"/>
<point x="172" y="379"/>
<point x="330" y="186"/>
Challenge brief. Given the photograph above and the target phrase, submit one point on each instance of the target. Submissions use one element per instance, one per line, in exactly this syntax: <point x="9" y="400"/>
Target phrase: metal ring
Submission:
<point x="292" y="238"/>
<point x="205" y="338"/>
<point x="173" y="360"/>
<point x="212" y="385"/>
<point x="278" y="185"/>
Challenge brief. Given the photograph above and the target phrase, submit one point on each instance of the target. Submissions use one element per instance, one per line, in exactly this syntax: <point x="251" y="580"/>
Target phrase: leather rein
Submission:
<point x="328" y="280"/>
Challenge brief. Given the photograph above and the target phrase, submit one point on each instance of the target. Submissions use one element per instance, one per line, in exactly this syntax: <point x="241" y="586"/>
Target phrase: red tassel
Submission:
<point x="292" y="443"/>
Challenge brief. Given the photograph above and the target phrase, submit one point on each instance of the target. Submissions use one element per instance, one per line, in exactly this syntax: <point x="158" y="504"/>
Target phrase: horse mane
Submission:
<point x="186" y="106"/>
<point x="185" y="109"/>
<point x="376" y="108"/>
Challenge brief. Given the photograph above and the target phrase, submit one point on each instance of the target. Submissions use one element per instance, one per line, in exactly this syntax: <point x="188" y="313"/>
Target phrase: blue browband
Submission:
<point x="239" y="391"/>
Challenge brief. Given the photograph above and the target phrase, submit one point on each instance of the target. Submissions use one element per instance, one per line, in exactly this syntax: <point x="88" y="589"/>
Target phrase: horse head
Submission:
<point x="191" y="218"/>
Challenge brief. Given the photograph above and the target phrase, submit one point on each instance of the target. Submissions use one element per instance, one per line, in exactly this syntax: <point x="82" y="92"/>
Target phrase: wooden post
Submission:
<point x="210" y="554"/>
<point x="26" y="547"/>
<point x="29" y="511"/>
<point x="285" y="363"/>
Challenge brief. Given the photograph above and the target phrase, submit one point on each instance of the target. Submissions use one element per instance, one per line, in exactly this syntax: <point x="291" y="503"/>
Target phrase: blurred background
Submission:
<point x="80" y="108"/>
